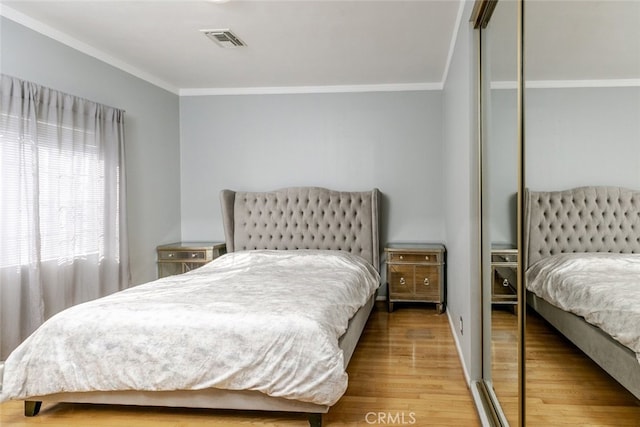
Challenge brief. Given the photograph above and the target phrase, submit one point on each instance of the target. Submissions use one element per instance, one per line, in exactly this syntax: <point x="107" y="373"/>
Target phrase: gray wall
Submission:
<point x="151" y="131"/>
<point x="501" y="152"/>
<point x="574" y="137"/>
<point x="582" y="136"/>
<point x="461" y="189"/>
<point x="343" y="141"/>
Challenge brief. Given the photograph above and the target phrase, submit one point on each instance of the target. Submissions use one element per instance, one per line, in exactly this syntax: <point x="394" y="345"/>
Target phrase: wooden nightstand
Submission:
<point x="180" y="257"/>
<point x="504" y="265"/>
<point x="415" y="273"/>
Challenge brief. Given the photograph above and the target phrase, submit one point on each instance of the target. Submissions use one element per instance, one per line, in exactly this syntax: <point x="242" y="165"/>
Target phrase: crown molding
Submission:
<point x="565" y="84"/>
<point x="551" y="84"/>
<point x="399" y="87"/>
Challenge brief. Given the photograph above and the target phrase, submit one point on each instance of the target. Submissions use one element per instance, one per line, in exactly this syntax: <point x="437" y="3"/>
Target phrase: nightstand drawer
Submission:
<point x="415" y="257"/>
<point x="182" y="255"/>
<point x="503" y="289"/>
<point x="401" y="279"/>
<point x="503" y="257"/>
<point x="427" y="279"/>
<point x="504" y="271"/>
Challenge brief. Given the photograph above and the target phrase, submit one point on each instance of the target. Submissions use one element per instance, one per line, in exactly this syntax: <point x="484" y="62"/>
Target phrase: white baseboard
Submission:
<point x="475" y="394"/>
<point x="459" y="349"/>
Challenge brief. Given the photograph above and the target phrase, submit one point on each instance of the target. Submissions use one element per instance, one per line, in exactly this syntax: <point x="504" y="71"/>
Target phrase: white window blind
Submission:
<point x="70" y="186"/>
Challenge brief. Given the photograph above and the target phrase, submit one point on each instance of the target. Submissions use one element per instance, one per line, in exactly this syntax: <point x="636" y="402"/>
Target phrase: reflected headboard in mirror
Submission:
<point x="583" y="219"/>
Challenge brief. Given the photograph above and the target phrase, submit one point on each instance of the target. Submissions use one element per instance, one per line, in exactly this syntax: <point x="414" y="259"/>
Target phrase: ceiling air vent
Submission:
<point x="224" y="38"/>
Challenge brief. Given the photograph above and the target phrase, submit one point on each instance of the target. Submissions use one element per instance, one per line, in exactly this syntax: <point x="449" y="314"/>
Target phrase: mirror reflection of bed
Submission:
<point x="581" y="110"/>
<point x="581" y="116"/>
<point x="582" y="263"/>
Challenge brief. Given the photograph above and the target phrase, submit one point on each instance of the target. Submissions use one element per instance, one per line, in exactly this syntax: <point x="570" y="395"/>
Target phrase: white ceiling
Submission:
<point x="289" y="43"/>
<point x="304" y="44"/>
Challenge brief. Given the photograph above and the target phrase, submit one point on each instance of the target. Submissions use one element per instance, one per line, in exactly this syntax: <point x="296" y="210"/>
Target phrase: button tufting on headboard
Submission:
<point x="585" y="219"/>
<point x="304" y="218"/>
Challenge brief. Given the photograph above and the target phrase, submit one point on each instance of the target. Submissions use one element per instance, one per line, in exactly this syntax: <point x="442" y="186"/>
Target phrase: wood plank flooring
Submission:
<point x="504" y="356"/>
<point x="405" y="371"/>
<point x="564" y="386"/>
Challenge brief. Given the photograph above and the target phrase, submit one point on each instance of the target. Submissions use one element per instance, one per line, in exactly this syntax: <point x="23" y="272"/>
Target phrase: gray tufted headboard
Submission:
<point x="302" y="218"/>
<point x="585" y="219"/>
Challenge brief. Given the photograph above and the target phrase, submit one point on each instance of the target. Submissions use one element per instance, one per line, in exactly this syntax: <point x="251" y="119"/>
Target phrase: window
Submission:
<point x="62" y="203"/>
<point x="70" y="183"/>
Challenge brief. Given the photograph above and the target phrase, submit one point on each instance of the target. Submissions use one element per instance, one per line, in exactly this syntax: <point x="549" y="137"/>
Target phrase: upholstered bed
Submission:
<point x="305" y="246"/>
<point x="582" y="272"/>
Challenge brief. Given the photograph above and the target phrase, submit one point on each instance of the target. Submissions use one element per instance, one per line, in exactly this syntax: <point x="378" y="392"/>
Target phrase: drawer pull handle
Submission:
<point x="426" y="281"/>
<point x="402" y="281"/>
<point x="426" y="258"/>
<point x="401" y="257"/>
<point x="505" y="283"/>
<point x="170" y="255"/>
<point x="194" y="255"/>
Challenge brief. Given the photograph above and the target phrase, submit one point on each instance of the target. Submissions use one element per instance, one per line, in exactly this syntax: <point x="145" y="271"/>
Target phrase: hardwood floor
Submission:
<point x="405" y="371"/>
<point x="564" y="387"/>
<point x="504" y="359"/>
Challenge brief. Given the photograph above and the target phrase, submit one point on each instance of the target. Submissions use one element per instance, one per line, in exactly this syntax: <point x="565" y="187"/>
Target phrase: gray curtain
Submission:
<point x="63" y="227"/>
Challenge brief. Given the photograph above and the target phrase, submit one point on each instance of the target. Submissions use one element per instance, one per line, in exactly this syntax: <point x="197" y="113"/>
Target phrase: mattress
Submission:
<point x="603" y="288"/>
<point x="263" y="320"/>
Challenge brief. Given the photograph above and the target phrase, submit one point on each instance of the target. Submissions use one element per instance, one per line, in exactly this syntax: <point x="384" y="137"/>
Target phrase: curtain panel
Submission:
<point x="63" y="237"/>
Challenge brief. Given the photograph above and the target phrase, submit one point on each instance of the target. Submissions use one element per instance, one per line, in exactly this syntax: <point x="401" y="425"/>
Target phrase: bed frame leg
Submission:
<point x="315" y="420"/>
<point x="31" y="408"/>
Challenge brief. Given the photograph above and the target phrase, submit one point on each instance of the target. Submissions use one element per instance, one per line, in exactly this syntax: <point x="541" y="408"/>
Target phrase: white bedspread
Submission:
<point x="603" y="288"/>
<point x="259" y="320"/>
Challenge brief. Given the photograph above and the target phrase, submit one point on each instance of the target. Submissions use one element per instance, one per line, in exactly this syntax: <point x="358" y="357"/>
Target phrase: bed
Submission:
<point x="306" y="252"/>
<point x="582" y="272"/>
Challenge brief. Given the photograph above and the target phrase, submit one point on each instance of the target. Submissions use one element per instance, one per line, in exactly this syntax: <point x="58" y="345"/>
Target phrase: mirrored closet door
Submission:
<point x="574" y="122"/>
<point x="499" y="28"/>
<point x="582" y="115"/>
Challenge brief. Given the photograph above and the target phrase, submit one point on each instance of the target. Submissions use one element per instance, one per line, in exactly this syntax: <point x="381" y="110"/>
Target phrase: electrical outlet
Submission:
<point x="461" y="326"/>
